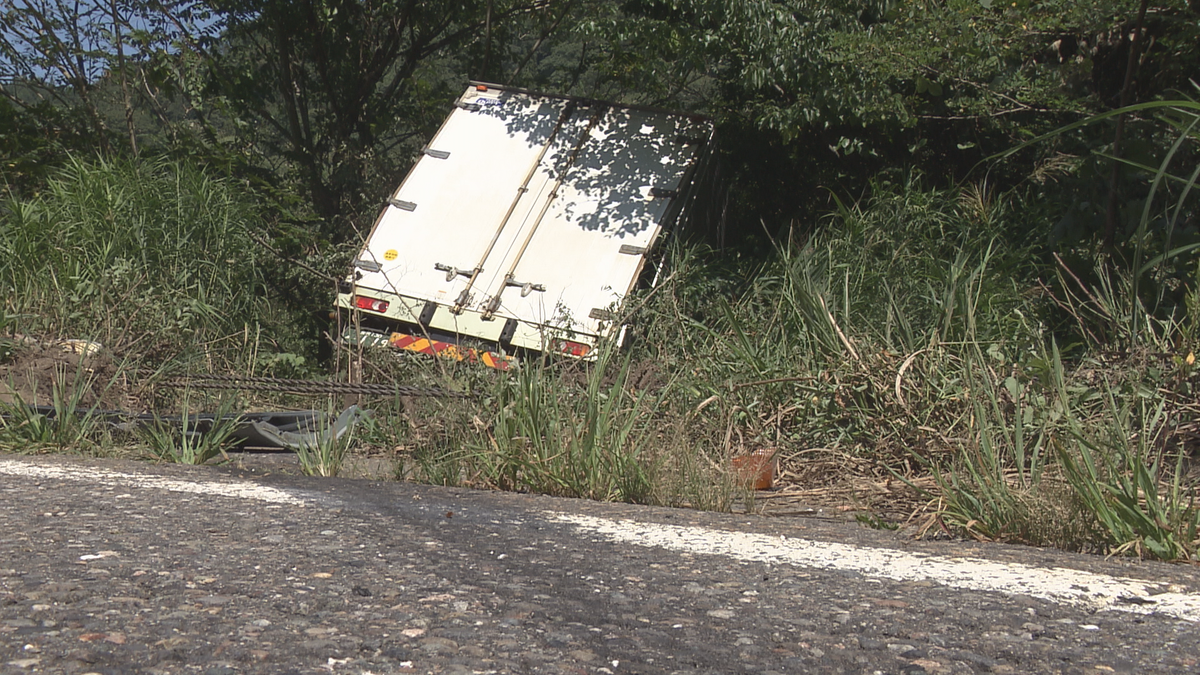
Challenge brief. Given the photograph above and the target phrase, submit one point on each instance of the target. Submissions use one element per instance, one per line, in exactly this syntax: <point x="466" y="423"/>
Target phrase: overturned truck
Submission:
<point x="523" y="226"/>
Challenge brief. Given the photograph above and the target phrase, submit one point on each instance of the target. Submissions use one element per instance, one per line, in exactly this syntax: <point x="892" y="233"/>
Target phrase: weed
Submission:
<point x="875" y="522"/>
<point x="66" y="424"/>
<point x="191" y="438"/>
<point x="153" y="257"/>
<point x="1141" y="504"/>
<point x="914" y="336"/>
<point x="324" y="452"/>
<point x="23" y="428"/>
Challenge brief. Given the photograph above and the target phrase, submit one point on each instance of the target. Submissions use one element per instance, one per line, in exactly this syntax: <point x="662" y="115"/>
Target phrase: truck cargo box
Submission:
<point x="523" y="226"/>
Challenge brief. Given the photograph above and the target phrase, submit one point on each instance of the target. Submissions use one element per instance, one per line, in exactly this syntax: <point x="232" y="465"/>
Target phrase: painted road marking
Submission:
<point x="1060" y="585"/>
<point x="260" y="493"/>
<point x="1064" y="586"/>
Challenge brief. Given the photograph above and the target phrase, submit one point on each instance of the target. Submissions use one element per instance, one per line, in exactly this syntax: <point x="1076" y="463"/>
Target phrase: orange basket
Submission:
<point x="756" y="469"/>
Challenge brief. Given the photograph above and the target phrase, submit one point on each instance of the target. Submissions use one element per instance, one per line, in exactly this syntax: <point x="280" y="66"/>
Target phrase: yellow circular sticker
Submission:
<point x="390" y="254"/>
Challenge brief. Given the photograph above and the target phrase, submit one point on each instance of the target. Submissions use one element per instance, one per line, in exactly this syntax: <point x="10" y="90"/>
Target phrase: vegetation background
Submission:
<point x="952" y="278"/>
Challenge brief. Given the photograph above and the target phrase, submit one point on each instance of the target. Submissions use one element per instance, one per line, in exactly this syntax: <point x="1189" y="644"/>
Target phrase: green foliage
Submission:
<point x="322" y="105"/>
<point x="153" y="257"/>
<point x="343" y="92"/>
<point x="1117" y="469"/>
<point x="191" y="438"/>
<point x="818" y="94"/>
<point x="326" y="454"/>
<point x="1001" y="482"/>
<point x="1108" y="474"/>
<point x="548" y="428"/>
<point x="597" y="431"/>
<point x="30" y="146"/>
<point x="1100" y="473"/>
<point x="791" y="65"/>
<point x="1136" y="294"/>
<point x="909" y="338"/>
<point x="908" y="269"/>
<point x="914" y="330"/>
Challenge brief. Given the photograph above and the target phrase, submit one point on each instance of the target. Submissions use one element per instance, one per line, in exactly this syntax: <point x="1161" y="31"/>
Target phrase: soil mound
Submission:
<point x="80" y="371"/>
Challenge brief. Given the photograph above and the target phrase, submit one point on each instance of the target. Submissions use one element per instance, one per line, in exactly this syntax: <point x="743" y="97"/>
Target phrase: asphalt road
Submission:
<point x="119" y="567"/>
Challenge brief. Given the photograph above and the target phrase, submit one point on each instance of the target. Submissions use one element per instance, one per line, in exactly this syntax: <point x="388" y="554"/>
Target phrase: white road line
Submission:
<point x="1059" y="585"/>
<point x="260" y="493"/>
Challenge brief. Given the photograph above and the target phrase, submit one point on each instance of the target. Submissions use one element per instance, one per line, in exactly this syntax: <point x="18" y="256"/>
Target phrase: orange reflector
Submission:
<point x="370" y="304"/>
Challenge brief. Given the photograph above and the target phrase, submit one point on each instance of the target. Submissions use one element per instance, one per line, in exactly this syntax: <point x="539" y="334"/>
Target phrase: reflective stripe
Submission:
<point x="450" y="350"/>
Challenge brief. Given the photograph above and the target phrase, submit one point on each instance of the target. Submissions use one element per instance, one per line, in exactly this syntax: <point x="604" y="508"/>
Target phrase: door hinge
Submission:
<point x="452" y="272"/>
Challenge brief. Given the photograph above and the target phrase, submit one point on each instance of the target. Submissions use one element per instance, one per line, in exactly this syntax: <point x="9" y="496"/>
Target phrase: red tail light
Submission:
<point x="574" y="348"/>
<point x="370" y="304"/>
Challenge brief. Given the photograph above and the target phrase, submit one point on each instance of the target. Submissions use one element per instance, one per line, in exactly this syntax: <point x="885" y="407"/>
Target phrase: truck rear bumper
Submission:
<point x="436" y="323"/>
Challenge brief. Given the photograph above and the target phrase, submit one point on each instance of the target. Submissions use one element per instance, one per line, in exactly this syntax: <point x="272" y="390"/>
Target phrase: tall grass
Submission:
<point x="152" y="257"/>
<point x="584" y="441"/>
<point x="1131" y="484"/>
<point x="191" y="438"/>
<point x="558" y="427"/>
<point x="914" y="335"/>
<point x="67" y="425"/>
<point x="324" y="453"/>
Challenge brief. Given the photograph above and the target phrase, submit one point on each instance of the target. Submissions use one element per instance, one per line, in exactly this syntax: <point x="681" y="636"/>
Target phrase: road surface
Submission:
<point x="122" y="567"/>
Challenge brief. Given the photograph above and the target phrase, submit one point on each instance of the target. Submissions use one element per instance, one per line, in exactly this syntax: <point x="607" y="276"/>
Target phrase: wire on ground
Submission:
<point x="281" y="385"/>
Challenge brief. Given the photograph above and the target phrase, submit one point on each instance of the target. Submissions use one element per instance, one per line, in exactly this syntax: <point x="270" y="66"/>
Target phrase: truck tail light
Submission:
<point x="370" y="304"/>
<point x="574" y="348"/>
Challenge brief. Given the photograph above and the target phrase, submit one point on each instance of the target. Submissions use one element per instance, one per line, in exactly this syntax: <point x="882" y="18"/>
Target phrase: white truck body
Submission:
<point x="526" y="222"/>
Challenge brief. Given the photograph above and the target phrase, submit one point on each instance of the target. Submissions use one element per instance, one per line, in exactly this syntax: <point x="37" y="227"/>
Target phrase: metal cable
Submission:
<point x="276" y="384"/>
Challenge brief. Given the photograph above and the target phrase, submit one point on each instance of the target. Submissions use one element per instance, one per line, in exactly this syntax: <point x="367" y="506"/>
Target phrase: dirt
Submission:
<point x="81" y="372"/>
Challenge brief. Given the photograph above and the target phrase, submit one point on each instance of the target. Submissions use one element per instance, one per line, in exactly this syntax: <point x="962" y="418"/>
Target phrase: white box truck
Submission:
<point x="523" y="226"/>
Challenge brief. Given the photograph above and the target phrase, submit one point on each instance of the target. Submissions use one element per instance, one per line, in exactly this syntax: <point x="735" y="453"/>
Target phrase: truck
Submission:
<point x="526" y="222"/>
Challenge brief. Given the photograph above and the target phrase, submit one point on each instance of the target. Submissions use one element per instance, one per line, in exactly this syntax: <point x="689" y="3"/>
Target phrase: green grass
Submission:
<point x="328" y="450"/>
<point x="913" y="337"/>
<point x="556" y="427"/>
<point x="193" y="438"/>
<point x="585" y="441"/>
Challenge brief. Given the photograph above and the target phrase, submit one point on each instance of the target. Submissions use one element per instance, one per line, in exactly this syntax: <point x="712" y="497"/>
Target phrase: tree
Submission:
<point x="831" y="93"/>
<point x="336" y="94"/>
<point x="94" y="60"/>
<point x="54" y="51"/>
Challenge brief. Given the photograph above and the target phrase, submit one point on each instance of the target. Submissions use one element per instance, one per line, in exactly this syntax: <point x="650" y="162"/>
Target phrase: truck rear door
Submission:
<point x="533" y="208"/>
